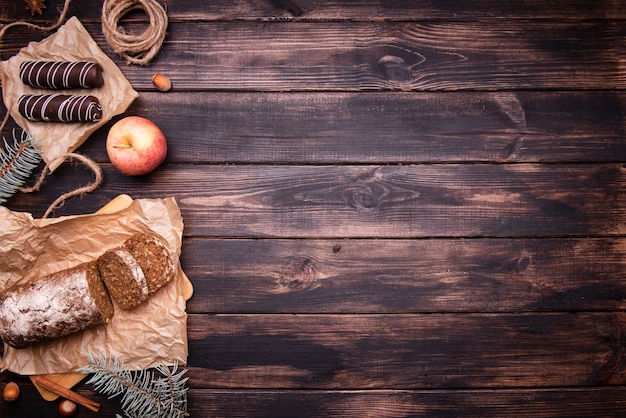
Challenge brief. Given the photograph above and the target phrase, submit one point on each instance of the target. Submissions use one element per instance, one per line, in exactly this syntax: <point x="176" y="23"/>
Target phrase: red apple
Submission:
<point x="136" y="146"/>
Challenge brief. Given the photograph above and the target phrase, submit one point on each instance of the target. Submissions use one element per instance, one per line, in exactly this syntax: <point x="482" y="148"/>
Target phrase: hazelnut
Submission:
<point x="67" y="408"/>
<point x="11" y="391"/>
<point x="161" y="82"/>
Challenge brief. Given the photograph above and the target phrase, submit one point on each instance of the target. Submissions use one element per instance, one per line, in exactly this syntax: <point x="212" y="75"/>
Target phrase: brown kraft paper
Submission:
<point x="153" y="333"/>
<point x="71" y="42"/>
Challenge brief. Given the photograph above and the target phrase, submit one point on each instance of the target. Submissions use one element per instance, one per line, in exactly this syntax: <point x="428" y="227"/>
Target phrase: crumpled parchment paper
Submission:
<point x="71" y="42"/>
<point x="151" y="334"/>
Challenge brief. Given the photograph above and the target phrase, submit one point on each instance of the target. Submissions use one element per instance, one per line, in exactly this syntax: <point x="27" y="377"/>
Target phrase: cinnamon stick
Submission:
<point x="67" y="393"/>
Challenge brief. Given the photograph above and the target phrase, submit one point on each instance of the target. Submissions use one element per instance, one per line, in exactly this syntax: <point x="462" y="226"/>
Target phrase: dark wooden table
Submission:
<point x="392" y="209"/>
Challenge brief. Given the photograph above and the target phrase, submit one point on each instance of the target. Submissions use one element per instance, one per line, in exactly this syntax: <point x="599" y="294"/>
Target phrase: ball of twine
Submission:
<point x="134" y="48"/>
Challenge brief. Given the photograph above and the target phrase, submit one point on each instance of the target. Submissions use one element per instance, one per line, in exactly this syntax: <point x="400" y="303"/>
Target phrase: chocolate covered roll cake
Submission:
<point x="54" y="306"/>
<point x="59" y="108"/>
<point x="61" y="74"/>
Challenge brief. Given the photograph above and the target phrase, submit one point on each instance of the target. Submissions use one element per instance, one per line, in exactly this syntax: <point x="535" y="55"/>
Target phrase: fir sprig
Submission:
<point x="17" y="162"/>
<point x="143" y="393"/>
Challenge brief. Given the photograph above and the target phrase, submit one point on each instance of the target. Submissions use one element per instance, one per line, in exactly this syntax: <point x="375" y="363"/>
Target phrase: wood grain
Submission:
<point x="356" y="404"/>
<point x="364" y="10"/>
<point x="416" y="201"/>
<point x="406" y="128"/>
<point x="405" y="276"/>
<point x="479" y="403"/>
<point x="392" y="209"/>
<point x="359" y="56"/>
<point x="400" y="352"/>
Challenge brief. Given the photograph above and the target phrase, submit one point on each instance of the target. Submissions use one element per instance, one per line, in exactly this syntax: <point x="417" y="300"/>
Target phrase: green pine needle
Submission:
<point x="17" y="162"/>
<point x="143" y="393"/>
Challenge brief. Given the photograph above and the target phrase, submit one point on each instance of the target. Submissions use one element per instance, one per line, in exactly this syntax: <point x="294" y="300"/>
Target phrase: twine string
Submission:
<point x="5" y="120"/>
<point x="76" y="192"/>
<point x="44" y="173"/>
<point x="94" y="167"/>
<point x="50" y="28"/>
<point x="134" y="48"/>
<point x="54" y="26"/>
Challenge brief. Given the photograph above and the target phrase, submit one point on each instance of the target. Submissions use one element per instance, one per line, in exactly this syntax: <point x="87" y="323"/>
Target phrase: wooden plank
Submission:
<point x="352" y="10"/>
<point x="407" y="128"/>
<point x="430" y="56"/>
<point x="587" y="402"/>
<point x="356" y="56"/>
<point x="400" y="352"/>
<point x="598" y="402"/>
<point x="316" y="294"/>
<point x="417" y="201"/>
<point x="405" y="276"/>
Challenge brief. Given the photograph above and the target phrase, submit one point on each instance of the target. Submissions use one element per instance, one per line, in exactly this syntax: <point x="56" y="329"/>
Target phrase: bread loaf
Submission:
<point x="54" y="306"/>
<point x="81" y="297"/>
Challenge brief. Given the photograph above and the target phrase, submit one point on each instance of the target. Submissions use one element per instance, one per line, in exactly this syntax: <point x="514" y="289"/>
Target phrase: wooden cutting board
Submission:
<point x="69" y="380"/>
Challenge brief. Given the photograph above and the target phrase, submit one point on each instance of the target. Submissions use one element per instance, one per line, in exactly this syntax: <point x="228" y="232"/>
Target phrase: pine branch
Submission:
<point x="18" y="160"/>
<point x="143" y="393"/>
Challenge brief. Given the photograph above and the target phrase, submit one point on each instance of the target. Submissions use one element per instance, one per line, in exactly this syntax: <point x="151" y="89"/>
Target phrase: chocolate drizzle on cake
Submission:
<point x="61" y="74"/>
<point x="60" y="108"/>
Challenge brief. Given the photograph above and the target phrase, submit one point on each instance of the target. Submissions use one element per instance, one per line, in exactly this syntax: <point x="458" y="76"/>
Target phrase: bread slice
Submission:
<point x="124" y="278"/>
<point x="154" y="258"/>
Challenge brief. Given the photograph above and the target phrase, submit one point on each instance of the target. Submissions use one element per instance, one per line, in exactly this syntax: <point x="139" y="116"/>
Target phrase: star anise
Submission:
<point x="35" y="6"/>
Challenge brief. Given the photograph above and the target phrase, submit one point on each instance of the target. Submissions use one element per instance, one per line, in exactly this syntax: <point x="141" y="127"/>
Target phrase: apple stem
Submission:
<point x="122" y="146"/>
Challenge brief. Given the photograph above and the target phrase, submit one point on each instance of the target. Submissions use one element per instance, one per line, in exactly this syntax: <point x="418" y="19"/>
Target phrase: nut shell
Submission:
<point x="67" y="408"/>
<point x="11" y="392"/>
<point x="161" y="82"/>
